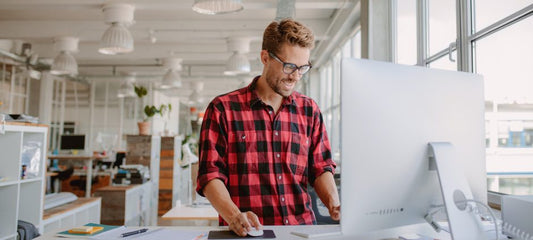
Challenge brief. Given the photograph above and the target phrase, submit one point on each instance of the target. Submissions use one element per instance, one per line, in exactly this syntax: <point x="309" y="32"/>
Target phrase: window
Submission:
<point x="329" y="87"/>
<point x="14" y="87"/>
<point x="441" y="26"/>
<point x="500" y="44"/>
<point x="407" y="28"/>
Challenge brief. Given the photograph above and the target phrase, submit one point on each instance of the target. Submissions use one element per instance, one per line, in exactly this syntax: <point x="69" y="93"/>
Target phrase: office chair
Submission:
<point x="61" y="176"/>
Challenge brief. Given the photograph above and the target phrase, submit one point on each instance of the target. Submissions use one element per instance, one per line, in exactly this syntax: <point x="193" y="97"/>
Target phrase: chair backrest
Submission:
<point x="65" y="174"/>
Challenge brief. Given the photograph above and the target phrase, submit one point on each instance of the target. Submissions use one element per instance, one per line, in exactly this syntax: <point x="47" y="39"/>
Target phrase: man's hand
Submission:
<point x="242" y="223"/>
<point x="335" y="213"/>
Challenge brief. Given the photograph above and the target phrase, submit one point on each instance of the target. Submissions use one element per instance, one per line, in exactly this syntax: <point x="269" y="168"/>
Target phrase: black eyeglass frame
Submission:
<point x="292" y="66"/>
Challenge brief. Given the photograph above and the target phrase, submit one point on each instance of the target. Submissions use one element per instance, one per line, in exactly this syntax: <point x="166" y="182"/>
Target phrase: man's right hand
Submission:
<point x="242" y="223"/>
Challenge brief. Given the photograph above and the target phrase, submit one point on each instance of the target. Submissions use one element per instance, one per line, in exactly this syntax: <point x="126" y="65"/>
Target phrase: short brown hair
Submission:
<point x="287" y="31"/>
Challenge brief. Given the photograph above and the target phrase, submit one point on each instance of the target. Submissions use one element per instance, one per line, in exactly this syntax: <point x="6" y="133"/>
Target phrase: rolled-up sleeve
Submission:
<point x="212" y="147"/>
<point x="320" y="159"/>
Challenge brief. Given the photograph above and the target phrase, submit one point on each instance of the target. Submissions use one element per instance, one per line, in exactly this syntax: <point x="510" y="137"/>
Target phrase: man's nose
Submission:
<point x="295" y="75"/>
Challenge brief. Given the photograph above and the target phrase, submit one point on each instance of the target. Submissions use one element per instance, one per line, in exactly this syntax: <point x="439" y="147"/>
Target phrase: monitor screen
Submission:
<point x="72" y="142"/>
<point x="389" y="114"/>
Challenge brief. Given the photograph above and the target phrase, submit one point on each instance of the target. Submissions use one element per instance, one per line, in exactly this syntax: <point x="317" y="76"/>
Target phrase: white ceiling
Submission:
<point x="200" y="40"/>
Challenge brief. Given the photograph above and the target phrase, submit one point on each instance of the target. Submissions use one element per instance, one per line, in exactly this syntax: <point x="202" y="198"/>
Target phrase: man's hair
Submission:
<point x="287" y="31"/>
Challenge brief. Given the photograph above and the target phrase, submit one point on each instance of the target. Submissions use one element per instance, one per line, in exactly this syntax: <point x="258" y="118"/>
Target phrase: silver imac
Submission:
<point x="389" y="114"/>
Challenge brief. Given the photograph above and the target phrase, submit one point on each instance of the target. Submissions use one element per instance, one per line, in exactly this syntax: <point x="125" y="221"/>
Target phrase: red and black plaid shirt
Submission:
<point x="266" y="160"/>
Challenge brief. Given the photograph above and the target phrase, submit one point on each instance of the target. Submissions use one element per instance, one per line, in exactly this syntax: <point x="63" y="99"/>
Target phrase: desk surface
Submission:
<point x="184" y="212"/>
<point x="284" y="232"/>
<point x="77" y="157"/>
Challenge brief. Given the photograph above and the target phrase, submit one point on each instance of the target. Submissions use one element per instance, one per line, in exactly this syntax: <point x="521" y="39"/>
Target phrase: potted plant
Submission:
<point x="149" y="111"/>
<point x="144" y="126"/>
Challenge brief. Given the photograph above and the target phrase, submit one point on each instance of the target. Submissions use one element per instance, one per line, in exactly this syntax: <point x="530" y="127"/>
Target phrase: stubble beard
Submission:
<point x="275" y="85"/>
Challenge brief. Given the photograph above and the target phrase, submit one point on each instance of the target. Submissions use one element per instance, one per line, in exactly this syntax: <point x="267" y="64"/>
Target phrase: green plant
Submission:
<point x="152" y="110"/>
<point x="141" y="91"/>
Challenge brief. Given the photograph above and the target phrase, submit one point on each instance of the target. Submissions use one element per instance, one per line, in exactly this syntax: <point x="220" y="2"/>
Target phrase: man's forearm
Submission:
<point x="215" y="191"/>
<point x="327" y="190"/>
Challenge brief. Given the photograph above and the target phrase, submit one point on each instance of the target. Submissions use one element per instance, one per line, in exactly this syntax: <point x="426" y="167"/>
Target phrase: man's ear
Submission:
<point x="264" y="56"/>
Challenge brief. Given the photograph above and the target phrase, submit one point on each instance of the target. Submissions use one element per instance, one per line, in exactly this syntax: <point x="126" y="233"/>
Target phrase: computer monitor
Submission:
<point x="389" y="114"/>
<point x="72" y="142"/>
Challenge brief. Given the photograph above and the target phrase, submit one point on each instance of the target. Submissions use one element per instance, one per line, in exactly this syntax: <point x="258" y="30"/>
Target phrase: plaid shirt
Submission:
<point x="266" y="160"/>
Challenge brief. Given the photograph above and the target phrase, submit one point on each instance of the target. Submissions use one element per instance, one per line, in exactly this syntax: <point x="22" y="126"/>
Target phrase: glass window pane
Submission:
<point x="442" y="28"/>
<point x="346" y="49"/>
<point x="406" y="32"/>
<point x="501" y="59"/>
<point x="445" y="63"/>
<point x="488" y="12"/>
<point x="356" y="45"/>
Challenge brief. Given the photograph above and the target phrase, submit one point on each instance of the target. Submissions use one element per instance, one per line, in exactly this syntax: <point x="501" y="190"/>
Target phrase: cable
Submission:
<point x="429" y="216"/>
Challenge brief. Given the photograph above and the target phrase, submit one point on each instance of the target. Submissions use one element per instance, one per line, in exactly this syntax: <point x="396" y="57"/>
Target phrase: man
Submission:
<point x="261" y="145"/>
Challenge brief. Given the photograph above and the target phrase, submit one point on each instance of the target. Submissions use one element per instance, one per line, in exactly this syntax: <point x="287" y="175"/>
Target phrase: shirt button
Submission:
<point x="277" y="155"/>
<point x="286" y="221"/>
<point x="282" y="199"/>
<point x="270" y="112"/>
<point x="276" y="133"/>
<point x="244" y="136"/>
<point x="279" y="177"/>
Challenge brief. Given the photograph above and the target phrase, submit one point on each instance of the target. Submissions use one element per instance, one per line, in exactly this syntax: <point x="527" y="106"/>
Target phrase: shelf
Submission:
<point x="8" y="183"/>
<point x="12" y="236"/>
<point x="10" y="143"/>
<point x="23" y="181"/>
<point x="22" y="199"/>
<point x="8" y="221"/>
<point x="29" y="204"/>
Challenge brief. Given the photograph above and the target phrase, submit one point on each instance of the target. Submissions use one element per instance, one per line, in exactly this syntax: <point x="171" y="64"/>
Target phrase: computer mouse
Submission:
<point x="255" y="233"/>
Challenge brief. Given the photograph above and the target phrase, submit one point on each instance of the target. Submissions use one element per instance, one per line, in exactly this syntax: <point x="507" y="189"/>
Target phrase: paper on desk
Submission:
<point x="153" y="234"/>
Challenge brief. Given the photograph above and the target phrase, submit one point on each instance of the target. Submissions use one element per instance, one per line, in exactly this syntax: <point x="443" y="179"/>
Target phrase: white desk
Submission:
<point x="284" y="232"/>
<point x="88" y="159"/>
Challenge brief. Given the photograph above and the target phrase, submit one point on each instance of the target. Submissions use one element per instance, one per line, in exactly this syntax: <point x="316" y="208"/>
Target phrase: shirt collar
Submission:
<point x="253" y="98"/>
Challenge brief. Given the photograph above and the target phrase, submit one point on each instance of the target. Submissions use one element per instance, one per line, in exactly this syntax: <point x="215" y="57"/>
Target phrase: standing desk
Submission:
<point x="88" y="159"/>
<point x="284" y="232"/>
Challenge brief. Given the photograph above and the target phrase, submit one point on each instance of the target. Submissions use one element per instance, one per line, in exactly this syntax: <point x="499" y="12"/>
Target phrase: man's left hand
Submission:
<point x="335" y="212"/>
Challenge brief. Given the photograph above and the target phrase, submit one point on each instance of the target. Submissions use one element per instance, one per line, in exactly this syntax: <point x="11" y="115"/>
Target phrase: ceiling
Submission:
<point x="200" y="40"/>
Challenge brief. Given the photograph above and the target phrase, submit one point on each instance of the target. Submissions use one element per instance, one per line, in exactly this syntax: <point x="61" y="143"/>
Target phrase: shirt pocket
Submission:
<point x="242" y="152"/>
<point x="299" y="154"/>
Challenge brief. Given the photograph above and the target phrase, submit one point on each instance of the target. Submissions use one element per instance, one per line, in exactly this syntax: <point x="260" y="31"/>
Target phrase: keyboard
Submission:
<point x="317" y="232"/>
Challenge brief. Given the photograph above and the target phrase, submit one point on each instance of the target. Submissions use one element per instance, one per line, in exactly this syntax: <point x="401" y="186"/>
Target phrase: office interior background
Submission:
<point x="489" y="37"/>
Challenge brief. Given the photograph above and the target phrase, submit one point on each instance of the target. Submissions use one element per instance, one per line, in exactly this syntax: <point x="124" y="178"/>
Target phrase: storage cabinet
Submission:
<point x="126" y="205"/>
<point x="22" y="154"/>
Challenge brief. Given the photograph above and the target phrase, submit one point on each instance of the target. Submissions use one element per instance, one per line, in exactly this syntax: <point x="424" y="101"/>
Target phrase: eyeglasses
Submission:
<point x="289" y="68"/>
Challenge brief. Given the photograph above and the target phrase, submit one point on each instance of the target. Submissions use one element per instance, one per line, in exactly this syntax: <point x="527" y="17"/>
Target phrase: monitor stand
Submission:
<point x="464" y="224"/>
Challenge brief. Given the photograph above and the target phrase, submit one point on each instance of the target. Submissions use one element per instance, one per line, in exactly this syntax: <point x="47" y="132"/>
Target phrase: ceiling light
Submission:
<point x="238" y="62"/>
<point x="172" y="78"/>
<point x="117" y="39"/>
<point x="126" y="88"/>
<point x="212" y="7"/>
<point x="64" y="63"/>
